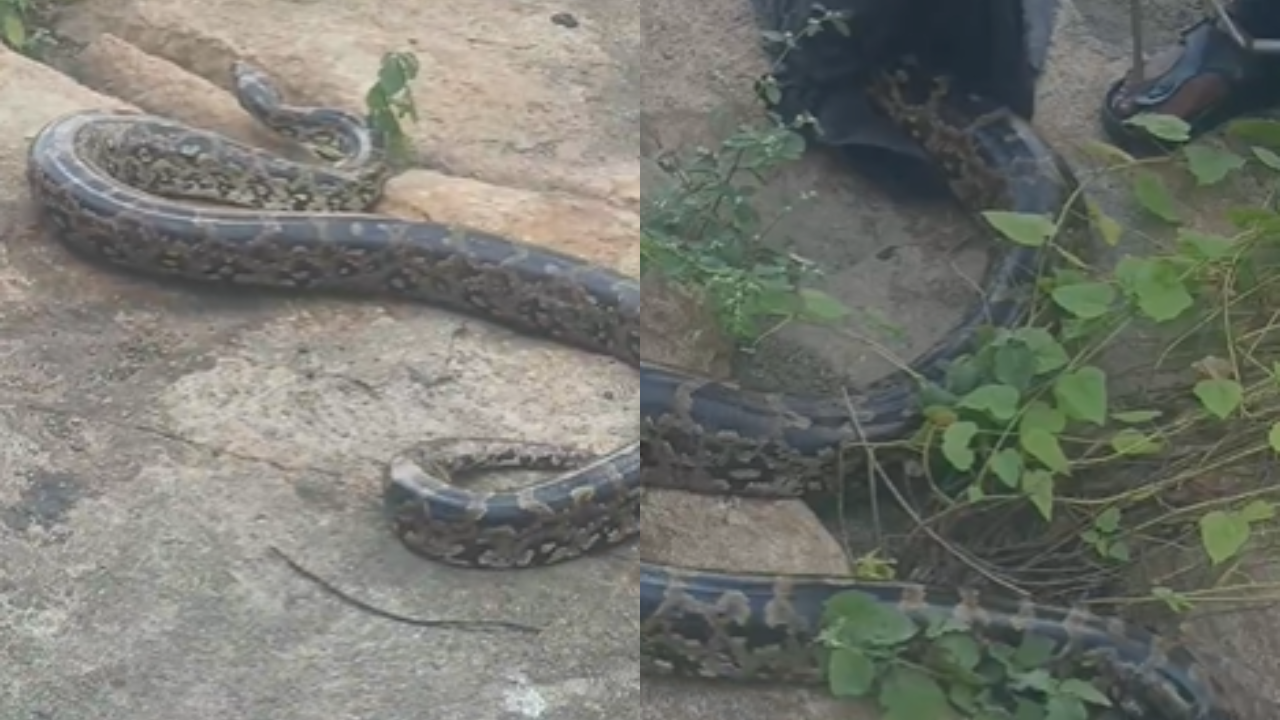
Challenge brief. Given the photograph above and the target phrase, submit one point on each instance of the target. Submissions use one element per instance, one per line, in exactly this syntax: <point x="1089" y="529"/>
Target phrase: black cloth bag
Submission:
<point x="994" y="48"/>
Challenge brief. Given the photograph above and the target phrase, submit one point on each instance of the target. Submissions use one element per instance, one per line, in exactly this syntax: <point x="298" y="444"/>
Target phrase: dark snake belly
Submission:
<point x="101" y="178"/>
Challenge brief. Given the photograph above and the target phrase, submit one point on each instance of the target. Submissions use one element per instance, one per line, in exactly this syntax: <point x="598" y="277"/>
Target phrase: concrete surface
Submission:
<point x="160" y="440"/>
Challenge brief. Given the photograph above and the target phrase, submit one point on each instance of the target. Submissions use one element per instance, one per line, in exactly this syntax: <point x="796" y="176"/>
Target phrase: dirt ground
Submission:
<point x="161" y="441"/>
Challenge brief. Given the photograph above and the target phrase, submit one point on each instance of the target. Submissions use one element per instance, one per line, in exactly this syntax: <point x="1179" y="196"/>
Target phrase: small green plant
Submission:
<point x="1027" y="409"/>
<point x="1031" y="415"/>
<point x="1035" y="418"/>
<point x="26" y="27"/>
<point x="704" y="230"/>
<point x="1105" y="537"/>
<point x="14" y="23"/>
<point x="939" y="669"/>
<point x="390" y="100"/>
<point x="1033" y="433"/>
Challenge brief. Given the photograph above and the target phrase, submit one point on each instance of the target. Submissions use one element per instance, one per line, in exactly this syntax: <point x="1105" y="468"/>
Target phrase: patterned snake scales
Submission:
<point x="112" y="186"/>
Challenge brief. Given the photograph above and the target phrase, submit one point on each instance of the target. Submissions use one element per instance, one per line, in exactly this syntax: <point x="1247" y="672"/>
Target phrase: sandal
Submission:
<point x="1207" y="80"/>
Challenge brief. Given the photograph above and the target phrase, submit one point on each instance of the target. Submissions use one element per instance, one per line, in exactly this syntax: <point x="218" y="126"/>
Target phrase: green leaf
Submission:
<point x="998" y="401"/>
<point x="942" y="624"/>
<point x="1085" y="691"/>
<point x="1007" y="466"/>
<point x="1266" y="157"/>
<point x="1202" y="246"/>
<point x="1253" y="218"/>
<point x="888" y="627"/>
<point x="963" y="375"/>
<point x="851" y="605"/>
<point x="1061" y="707"/>
<point x="960" y="650"/>
<point x="865" y="621"/>
<point x="1077" y="329"/>
<point x="769" y="91"/>
<point x="1002" y="654"/>
<point x="15" y="30"/>
<point x="910" y="694"/>
<point x="965" y="699"/>
<point x="1026" y="709"/>
<point x="975" y="494"/>
<point x="1175" y="601"/>
<point x="1083" y="395"/>
<point x="1169" y="128"/>
<point x="1036" y="679"/>
<point x="819" y="306"/>
<point x="1107" y="152"/>
<point x="940" y="415"/>
<point x="1085" y="300"/>
<point x="1220" y="396"/>
<point x="1037" y="485"/>
<point x="1022" y="228"/>
<point x="1108" y="521"/>
<point x="1015" y="365"/>
<point x="1043" y="446"/>
<point x="1258" y="511"/>
<point x="1273" y="437"/>
<point x="1223" y="534"/>
<point x="1210" y="165"/>
<point x="1108" y="228"/>
<point x="1157" y="284"/>
<point x="1136" y="417"/>
<point x="1050" y="355"/>
<point x="1042" y="416"/>
<point x="773" y="36"/>
<point x="791" y="147"/>
<point x="1154" y="196"/>
<point x="1255" y="131"/>
<point x="777" y="301"/>
<point x="850" y="673"/>
<point x="955" y="445"/>
<point x="1135" y="442"/>
<point x="393" y="78"/>
<point x="1118" y="551"/>
<point x="1033" y="653"/>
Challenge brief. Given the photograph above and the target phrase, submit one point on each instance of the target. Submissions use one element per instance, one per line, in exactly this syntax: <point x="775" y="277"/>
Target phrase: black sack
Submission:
<point x="993" y="48"/>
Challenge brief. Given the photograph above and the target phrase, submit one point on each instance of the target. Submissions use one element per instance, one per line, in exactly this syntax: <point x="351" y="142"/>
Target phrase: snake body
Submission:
<point x="116" y="189"/>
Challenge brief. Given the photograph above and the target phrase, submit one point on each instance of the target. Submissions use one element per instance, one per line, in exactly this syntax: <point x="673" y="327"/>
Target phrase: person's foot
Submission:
<point x="1207" y="79"/>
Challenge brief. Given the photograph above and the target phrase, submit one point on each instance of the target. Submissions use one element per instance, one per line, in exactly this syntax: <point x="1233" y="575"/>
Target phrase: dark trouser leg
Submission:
<point x="1260" y="17"/>
<point x="1205" y="79"/>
